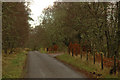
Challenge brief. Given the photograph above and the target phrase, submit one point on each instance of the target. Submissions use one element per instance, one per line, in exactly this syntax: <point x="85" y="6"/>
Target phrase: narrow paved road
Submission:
<point x="44" y="66"/>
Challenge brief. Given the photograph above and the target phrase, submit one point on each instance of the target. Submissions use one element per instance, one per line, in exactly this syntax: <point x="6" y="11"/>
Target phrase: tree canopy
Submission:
<point x="15" y="26"/>
<point x="93" y="24"/>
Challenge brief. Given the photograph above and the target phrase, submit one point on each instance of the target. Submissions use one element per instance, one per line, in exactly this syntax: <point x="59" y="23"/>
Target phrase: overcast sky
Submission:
<point x="37" y="7"/>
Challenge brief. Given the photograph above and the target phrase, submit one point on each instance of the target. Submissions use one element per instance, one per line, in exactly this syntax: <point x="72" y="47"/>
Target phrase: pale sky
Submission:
<point x="37" y="7"/>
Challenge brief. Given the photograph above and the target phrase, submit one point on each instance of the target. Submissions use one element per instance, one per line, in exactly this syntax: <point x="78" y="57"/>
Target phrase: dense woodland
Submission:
<point x="15" y="26"/>
<point x="93" y="25"/>
<point x="83" y="28"/>
<point x="96" y="26"/>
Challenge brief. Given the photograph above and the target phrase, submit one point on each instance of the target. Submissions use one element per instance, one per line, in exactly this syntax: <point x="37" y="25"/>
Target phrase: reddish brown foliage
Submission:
<point x="84" y="48"/>
<point x="108" y="62"/>
<point x="76" y="48"/>
<point x="70" y="46"/>
<point x="49" y="49"/>
<point x="53" y="48"/>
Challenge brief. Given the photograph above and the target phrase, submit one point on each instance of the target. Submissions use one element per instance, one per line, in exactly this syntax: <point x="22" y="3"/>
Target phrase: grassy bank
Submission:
<point x="12" y="65"/>
<point x="88" y="66"/>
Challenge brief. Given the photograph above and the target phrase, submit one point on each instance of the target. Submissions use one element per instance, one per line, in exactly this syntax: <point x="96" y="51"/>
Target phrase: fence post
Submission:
<point x="72" y="51"/>
<point x="81" y="55"/>
<point x="87" y="56"/>
<point x="76" y="53"/>
<point x="47" y="49"/>
<point x="94" y="57"/>
<point x="114" y="64"/>
<point x="101" y="61"/>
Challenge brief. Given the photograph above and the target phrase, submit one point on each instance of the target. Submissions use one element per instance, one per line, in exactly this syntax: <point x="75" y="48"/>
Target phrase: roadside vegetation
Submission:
<point x="13" y="65"/>
<point x="15" y="33"/>
<point x="89" y="66"/>
<point x="89" y="27"/>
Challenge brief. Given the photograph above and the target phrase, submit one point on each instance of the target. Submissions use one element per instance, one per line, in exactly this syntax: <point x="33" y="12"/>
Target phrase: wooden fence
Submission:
<point x="113" y="62"/>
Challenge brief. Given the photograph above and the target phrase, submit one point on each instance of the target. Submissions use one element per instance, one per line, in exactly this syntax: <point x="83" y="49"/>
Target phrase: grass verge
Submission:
<point x="87" y="66"/>
<point x="12" y="65"/>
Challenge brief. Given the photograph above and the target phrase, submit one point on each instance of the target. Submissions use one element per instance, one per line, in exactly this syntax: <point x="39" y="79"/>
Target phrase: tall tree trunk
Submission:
<point x="118" y="33"/>
<point x="11" y="48"/>
<point x="5" y="50"/>
<point x="107" y="35"/>
<point x="108" y="43"/>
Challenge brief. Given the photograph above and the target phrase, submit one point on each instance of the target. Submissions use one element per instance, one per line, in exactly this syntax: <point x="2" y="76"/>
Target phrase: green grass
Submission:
<point x="88" y="66"/>
<point x="13" y="65"/>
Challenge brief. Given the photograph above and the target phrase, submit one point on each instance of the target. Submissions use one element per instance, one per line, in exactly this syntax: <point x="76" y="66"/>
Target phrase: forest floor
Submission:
<point x="87" y="67"/>
<point x="13" y="64"/>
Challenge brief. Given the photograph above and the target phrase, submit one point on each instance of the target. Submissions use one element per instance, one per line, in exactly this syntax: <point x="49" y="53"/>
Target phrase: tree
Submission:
<point x="15" y="25"/>
<point x="93" y="25"/>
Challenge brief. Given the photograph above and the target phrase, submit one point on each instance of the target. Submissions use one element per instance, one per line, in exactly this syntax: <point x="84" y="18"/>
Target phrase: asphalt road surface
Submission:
<point x="44" y="66"/>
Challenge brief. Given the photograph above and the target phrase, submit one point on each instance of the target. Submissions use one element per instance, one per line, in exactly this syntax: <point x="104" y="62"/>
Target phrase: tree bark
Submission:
<point x="108" y="44"/>
<point x="118" y="33"/>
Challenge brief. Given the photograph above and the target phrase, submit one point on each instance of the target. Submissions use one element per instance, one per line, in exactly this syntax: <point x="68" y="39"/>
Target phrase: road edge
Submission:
<point x="87" y="74"/>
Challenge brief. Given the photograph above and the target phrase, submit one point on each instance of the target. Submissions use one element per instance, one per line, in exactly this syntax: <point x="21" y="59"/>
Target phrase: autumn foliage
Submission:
<point x="78" y="49"/>
<point x="108" y="62"/>
<point x="53" y="48"/>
